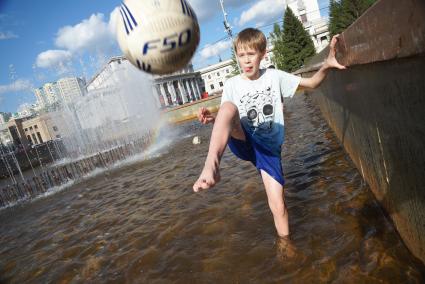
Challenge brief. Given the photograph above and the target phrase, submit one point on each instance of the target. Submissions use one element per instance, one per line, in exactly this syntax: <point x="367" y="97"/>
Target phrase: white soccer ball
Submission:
<point x="157" y="36"/>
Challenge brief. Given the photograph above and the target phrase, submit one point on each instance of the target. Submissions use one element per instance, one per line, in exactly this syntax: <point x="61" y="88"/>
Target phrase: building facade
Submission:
<point x="106" y="78"/>
<point x="16" y="131"/>
<point x="71" y="88"/>
<point x="34" y="130"/>
<point x="43" y="128"/>
<point x="178" y="88"/>
<point x="214" y="76"/>
<point x="308" y="12"/>
<point x="41" y="97"/>
<point x="63" y="91"/>
<point x="51" y="93"/>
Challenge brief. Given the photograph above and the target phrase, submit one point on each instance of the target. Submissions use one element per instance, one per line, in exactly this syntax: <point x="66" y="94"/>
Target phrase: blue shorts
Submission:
<point x="261" y="158"/>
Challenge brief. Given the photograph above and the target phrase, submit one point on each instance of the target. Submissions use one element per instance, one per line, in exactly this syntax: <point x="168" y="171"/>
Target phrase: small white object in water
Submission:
<point x="196" y="140"/>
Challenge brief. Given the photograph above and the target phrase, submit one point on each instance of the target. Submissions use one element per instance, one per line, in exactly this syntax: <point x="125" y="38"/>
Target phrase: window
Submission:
<point x="26" y="129"/>
<point x="212" y="86"/>
<point x="221" y="84"/>
<point x="218" y="74"/>
<point x="209" y="76"/>
<point x="35" y="126"/>
<point x="58" y="136"/>
<point x="30" y="127"/>
<point x="55" y="128"/>
<point x="227" y="71"/>
<point x="29" y="139"/>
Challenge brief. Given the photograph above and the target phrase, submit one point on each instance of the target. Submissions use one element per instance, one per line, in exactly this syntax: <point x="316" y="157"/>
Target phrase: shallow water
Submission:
<point x="143" y="224"/>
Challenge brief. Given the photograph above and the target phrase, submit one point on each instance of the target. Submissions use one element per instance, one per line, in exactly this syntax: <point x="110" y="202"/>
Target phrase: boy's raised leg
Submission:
<point x="226" y="123"/>
<point x="276" y="202"/>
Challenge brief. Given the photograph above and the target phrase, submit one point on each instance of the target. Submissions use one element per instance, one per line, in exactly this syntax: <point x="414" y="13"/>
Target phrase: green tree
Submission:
<point x="292" y="44"/>
<point x="344" y="12"/>
<point x="276" y="39"/>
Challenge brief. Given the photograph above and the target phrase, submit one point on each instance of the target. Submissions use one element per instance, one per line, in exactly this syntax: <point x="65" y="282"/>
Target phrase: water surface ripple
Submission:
<point x="143" y="224"/>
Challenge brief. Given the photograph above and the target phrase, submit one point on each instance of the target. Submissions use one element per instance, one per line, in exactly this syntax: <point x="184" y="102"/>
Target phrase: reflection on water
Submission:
<point x="143" y="224"/>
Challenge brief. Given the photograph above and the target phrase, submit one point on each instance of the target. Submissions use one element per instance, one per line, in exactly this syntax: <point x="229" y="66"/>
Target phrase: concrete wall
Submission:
<point x="377" y="109"/>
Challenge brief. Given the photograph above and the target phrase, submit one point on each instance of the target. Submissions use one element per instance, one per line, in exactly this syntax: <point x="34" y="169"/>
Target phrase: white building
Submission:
<point x="2" y="120"/>
<point x="118" y="94"/>
<point x="106" y="77"/>
<point x="215" y="75"/>
<point x="63" y="91"/>
<point x="71" y="88"/>
<point x="266" y="62"/>
<point x="41" y="97"/>
<point x="51" y="93"/>
<point x="178" y="88"/>
<point x="47" y="95"/>
<point x="308" y="12"/>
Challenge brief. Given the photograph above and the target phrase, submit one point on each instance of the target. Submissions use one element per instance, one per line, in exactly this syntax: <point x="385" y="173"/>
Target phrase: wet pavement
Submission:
<point x="141" y="223"/>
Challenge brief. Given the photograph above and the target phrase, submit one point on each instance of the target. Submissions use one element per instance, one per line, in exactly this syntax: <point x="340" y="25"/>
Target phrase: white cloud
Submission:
<point x="205" y="9"/>
<point x="211" y="50"/>
<point x="52" y="58"/>
<point x="113" y="17"/>
<point x="261" y="11"/>
<point x="91" y="34"/>
<point x="7" y="35"/>
<point x="16" y="86"/>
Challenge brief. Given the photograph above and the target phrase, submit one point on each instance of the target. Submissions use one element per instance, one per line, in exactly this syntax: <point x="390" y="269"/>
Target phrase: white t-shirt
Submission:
<point x="260" y="106"/>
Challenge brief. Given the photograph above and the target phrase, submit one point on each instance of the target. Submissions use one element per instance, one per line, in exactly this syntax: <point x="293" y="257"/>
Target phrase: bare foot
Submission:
<point x="287" y="251"/>
<point x="286" y="248"/>
<point x="210" y="175"/>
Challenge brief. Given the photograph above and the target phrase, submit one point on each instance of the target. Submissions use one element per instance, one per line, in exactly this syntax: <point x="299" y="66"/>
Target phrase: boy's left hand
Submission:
<point x="331" y="61"/>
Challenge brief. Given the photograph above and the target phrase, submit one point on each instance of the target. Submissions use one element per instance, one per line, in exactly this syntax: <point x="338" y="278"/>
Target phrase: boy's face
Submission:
<point x="249" y="60"/>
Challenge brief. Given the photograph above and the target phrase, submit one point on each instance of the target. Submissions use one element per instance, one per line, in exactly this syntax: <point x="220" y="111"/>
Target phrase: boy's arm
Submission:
<point x="320" y="75"/>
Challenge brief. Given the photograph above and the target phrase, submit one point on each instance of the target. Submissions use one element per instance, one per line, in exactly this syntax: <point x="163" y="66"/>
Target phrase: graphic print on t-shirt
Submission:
<point x="258" y="107"/>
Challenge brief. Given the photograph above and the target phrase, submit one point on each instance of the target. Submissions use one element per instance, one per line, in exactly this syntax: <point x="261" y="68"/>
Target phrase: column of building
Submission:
<point x="191" y="94"/>
<point x="170" y="88"/>
<point x="164" y="94"/>
<point x="182" y="91"/>
<point x="195" y="88"/>
<point x="198" y="90"/>
<point x="188" y="89"/>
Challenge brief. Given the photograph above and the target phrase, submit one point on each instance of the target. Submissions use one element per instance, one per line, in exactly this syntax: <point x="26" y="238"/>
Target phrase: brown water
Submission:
<point x="143" y="224"/>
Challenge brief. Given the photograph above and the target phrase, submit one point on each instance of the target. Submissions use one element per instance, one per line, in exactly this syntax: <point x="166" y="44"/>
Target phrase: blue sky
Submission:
<point x="44" y="40"/>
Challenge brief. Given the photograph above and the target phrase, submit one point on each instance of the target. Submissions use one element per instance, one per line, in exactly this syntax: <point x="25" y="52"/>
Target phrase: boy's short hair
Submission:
<point x="252" y="38"/>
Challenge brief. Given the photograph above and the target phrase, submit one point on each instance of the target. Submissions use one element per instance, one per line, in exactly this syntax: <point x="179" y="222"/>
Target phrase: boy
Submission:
<point x="250" y="119"/>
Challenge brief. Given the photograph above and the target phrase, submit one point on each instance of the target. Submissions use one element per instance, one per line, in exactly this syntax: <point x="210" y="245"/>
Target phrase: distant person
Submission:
<point x="250" y="119"/>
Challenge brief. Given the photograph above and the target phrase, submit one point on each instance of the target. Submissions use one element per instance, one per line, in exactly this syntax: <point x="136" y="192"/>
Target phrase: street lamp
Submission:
<point x="228" y="29"/>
